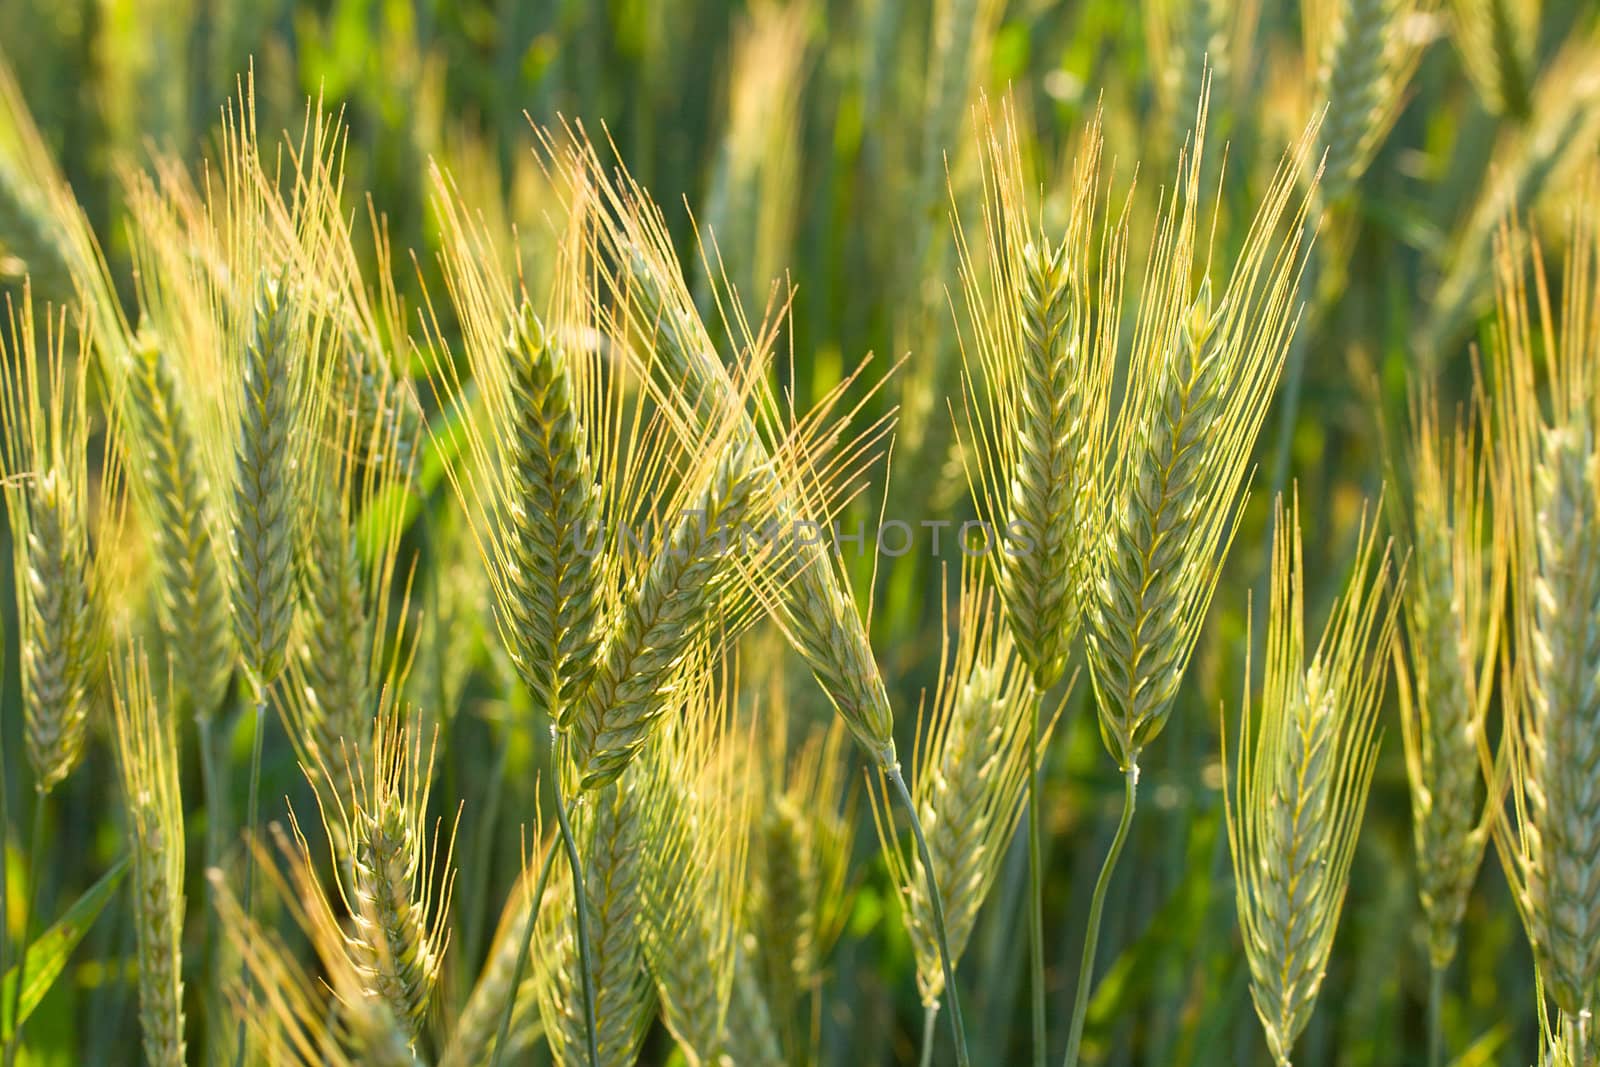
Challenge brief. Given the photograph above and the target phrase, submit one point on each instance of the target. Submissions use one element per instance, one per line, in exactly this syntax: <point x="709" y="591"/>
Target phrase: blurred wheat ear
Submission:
<point x="1299" y="788"/>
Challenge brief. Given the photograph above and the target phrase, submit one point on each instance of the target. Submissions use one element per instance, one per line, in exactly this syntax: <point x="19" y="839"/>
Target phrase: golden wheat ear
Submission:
<point x="292" y="1016"/>
<point x="1299" y="788"/>
<point x="146" y="732"/>
<point x="64" y="501"/>
<point x="1549" y="481"/>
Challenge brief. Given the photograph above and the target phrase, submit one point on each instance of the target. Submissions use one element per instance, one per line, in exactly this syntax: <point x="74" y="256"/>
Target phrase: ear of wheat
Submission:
<point x="399" y="906"/>
<point x="615" y="844"/>
<point x="147" y="762"/>
<point x="1496" y="40"/>
<point x="696" y="803"/>
<point x="174" y="493"/>
<point x="1360" y="55"/>
<point x="974" y="755"/>
<point x="1452" y="609"/>
<point x="1037" y="385"/>
<point x="1202" y="376"/>
<point x="1550" y="474"/>
<point x="1299" y="790"/>
<point x="63" y="583"/>
<point x="283" y="1008"/>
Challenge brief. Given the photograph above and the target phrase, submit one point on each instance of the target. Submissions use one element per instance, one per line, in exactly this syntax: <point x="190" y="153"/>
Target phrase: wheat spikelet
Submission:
<point x="1300" y="786"/>
<point x="1452" y="626"/>
<point x="972" y="762"/>
<point x="633" y="687"/>
<point x="175" y="495"/>
<point x="63" y="587"/>
<point x="1202" y="376"/>
<point x="1550" y="481"/>
<point x="614" y="847"/>
<point x="147" y="761"/>
<point x="1361" y="54"/>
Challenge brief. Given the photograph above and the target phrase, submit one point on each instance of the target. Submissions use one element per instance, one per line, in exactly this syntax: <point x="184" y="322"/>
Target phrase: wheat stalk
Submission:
<point x="147" y="761"/>
<point x="1300" y="787"/>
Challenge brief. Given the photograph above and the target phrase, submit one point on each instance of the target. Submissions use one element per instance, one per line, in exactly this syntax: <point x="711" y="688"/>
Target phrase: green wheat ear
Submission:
<point x="264" y="505"/>
<point x="1452" y="609"/>
<point x="64" y="584"/>
<point x="1549" y="489"/>
<point x="1299" y="790"/>
<point x="147" y="762"/>
<point x="1203" y="373"/>
<point x="171" y="484"/>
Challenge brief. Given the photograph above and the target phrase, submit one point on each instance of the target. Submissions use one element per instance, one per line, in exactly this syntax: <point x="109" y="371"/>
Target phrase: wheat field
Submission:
<point x="789" y="532"/>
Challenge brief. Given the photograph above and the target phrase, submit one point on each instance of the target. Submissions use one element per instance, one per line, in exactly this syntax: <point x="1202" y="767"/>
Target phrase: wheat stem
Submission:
<point x="957" y="1028"/>
<point x="1097" y="903"/>
<point x="1035" y="888"/>
<point x="1435" y="1022"/>
<point x="581" y="907"/>
<point x="524" y="944"/>
<point x="30" y="890"/>
<point x="930" y="1017"/>
<point x="252" y="811"/>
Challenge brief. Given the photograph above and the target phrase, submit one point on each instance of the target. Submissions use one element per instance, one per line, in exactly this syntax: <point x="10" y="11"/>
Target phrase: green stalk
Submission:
<point x="523" y="948"/>
<point x="581" y="904"/>
<point x="1435" y="1023"/>
<point x="30" y="890"/>
<point x="1097" y="904"/>
<point x="1035" y="889"/>
<point x="930" y="1015"/>
<point x="957" y="1027"/>
<point x="252" y="812"/>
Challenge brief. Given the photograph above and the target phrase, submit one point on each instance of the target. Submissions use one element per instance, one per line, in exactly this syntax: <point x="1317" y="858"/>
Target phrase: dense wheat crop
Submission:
<point x="789" y="532"/>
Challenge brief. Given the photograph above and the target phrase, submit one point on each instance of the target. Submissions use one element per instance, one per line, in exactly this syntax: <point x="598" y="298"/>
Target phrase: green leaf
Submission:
<point x="48" y="954"/>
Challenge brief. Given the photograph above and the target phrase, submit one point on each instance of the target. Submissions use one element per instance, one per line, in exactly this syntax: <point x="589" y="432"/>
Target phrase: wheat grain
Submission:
<point x="1300" y="786"/>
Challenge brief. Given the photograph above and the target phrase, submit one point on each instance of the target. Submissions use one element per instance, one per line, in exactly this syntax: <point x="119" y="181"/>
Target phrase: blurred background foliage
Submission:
<point x="823" y="143"/>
